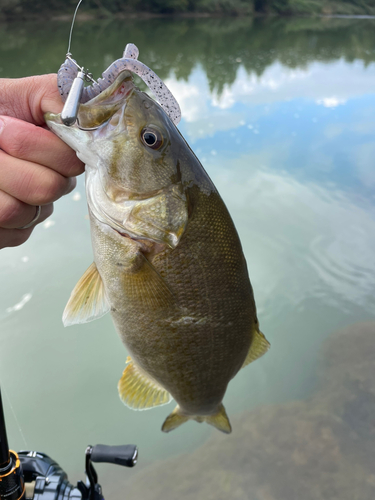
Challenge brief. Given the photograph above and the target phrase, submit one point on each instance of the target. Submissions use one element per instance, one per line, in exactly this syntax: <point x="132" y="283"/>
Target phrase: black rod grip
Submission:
<point x="4" y="448"/>
<point x="121" y="455"/>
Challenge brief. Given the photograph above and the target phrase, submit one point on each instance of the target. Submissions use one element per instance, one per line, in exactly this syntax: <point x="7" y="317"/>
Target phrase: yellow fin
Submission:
<point x="87" y="300"/>
<point x="150" y="288"/>
<point x="174" y="420"/>
<point x="259" y="346"/>
<point x="220" y="420"/>
<point x="138" y="391"/>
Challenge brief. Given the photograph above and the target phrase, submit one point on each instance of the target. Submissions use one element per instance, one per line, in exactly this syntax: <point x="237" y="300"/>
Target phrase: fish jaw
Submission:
<point x="73" y="136"/>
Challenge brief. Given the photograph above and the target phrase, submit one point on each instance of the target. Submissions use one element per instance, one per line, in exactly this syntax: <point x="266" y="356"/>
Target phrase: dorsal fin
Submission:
<point x="138" y="391"/>
<point x="259" y="346"/>
<point x="87" y="300"/>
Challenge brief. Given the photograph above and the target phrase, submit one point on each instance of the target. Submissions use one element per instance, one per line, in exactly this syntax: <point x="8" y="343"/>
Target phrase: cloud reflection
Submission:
<point x="329" y="85"/>
<point x="301" y="240"/>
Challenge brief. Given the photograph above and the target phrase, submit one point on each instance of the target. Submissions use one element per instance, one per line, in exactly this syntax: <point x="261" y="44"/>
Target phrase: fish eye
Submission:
<point x="151" y="138"/>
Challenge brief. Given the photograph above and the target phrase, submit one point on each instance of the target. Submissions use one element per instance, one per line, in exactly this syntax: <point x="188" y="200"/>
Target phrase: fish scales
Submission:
<point x="207" y="340"/>
<point x="168" y="262"/>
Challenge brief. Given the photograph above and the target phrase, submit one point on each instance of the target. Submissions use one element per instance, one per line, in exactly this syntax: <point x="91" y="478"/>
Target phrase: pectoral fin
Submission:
<point x="138" y="391"/>
<point x="144" y="285"/>
<point x="259" y="346"/>
<point x="87" y="300"/>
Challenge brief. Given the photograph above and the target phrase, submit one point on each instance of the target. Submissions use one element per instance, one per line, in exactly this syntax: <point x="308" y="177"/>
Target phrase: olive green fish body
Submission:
<point x="194" y="342"/>
<point x="168" y="262"/>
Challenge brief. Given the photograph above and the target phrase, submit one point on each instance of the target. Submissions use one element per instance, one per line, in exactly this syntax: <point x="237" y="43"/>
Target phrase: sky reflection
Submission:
<point x="292" y="153"/>
<point x="318" y="118"/>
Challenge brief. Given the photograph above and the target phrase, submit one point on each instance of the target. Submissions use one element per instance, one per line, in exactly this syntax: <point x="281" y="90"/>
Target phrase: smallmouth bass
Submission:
<point x="168" y="262"/>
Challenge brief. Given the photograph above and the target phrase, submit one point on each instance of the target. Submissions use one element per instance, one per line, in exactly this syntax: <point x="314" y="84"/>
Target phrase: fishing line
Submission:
<point x="72" y="26"/>
<point x="14" y="414"/>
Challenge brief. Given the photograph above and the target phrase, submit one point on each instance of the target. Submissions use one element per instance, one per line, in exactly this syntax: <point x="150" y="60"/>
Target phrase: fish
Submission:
<point x="168" y="262"/>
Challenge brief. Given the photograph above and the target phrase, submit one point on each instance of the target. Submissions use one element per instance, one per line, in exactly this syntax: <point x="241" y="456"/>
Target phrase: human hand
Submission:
<point x="36" y="167"/>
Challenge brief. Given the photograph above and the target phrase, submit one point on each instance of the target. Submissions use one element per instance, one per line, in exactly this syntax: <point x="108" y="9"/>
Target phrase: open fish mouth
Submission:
<point x="98" y="110"/>
<point x="84" y="120"/>
<point x="101" y="108"/>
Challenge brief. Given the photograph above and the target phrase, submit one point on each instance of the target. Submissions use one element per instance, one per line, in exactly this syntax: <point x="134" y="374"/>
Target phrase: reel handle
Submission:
<point x="126" y="455"/>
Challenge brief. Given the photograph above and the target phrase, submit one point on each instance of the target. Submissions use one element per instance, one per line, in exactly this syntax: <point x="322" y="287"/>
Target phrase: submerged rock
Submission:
<point x="321" y="448"/>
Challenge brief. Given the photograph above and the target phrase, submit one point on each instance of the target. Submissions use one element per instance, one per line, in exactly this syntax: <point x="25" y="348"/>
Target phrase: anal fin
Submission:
<point x="138" y="391"/>
<point x="259" y="346"/>
<point x="87" y="301"/>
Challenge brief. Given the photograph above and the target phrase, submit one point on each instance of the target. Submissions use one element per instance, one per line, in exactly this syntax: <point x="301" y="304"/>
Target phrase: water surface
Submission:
<point x="281" y="114"/>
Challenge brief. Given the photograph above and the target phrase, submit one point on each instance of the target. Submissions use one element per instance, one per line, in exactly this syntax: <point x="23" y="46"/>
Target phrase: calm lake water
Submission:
<point x="282" y="115"/>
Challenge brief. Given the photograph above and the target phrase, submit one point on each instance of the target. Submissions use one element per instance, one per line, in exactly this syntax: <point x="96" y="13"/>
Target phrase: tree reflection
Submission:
<point x="176" y="46"/>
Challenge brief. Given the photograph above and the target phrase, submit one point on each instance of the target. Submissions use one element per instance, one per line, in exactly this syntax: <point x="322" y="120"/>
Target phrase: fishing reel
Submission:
<point x="31" y="475"/>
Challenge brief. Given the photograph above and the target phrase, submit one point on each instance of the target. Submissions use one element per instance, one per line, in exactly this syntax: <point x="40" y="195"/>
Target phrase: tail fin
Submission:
<point x="174" y="420"/>
<point x="220" y="420"/>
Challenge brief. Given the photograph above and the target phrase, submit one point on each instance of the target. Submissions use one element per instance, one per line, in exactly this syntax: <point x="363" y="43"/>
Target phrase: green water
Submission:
<point x="281" y="114"/>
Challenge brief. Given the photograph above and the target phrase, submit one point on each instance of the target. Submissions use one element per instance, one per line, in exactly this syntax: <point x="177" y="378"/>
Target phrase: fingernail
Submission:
<point x="2" y="124"/>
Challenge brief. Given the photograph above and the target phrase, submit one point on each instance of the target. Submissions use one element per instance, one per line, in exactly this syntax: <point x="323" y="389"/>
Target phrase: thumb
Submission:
<point x="29" y="98"/>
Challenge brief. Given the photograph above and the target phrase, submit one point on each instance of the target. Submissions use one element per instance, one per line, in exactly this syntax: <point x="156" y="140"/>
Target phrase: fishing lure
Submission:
<point x="71" y="78"/>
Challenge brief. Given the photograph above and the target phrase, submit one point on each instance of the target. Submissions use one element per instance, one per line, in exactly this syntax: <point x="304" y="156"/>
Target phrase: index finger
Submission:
<point x="35" y="144"/>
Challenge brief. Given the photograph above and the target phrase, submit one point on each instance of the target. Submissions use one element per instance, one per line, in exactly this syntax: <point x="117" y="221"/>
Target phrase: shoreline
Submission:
<point x="83" y="17"/>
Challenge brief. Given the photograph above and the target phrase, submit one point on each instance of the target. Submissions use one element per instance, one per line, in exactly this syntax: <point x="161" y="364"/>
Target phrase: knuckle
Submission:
<point x="10" y="211"/>
<point x="65" y="160"/>
<point x="52" y="189"/>
<point x="74" y="166"/>
<point x="20" y="145"/>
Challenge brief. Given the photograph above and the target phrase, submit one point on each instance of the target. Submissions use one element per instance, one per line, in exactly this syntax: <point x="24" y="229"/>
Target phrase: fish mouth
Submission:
<point x="119" y="90"/>
<point x="100" y="109"/>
